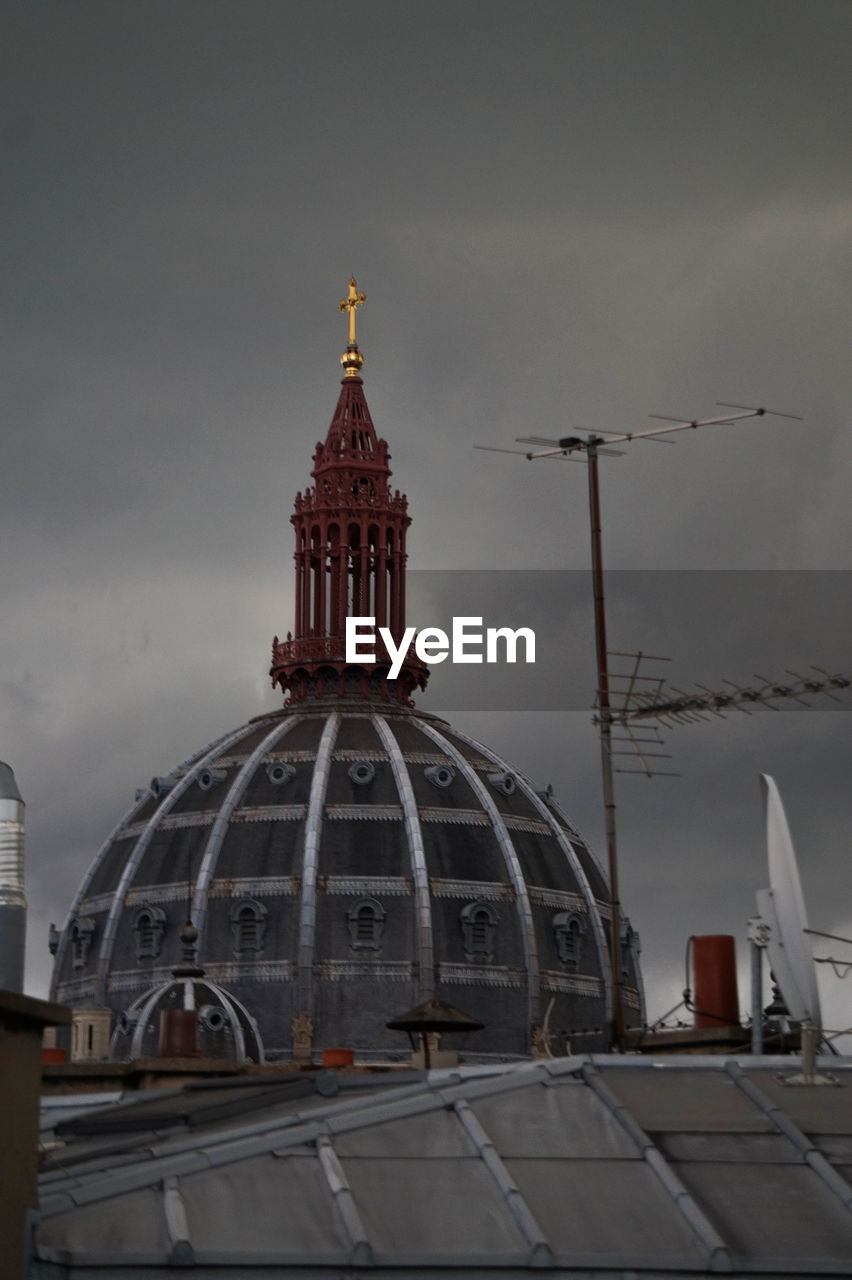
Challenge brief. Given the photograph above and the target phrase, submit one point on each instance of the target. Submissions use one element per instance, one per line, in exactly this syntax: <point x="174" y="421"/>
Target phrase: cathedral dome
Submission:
<point x="350" y="860"/>
<point x="349" y="857"/>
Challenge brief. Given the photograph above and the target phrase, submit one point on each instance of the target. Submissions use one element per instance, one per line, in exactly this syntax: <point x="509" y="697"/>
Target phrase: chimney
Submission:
<point x="13" y="904"/>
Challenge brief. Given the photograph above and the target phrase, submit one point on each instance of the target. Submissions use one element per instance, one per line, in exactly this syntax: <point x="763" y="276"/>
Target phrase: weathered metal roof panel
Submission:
<point x="131" y="1223"/>
<point x="559" y="1122"/>
<point x="825" y="1109"/>
<point x="434" y="1135"/>
<point x="684" y="1100"/>
<point x="605" y="1209"/>
<point x="728" y="1148"/>
<point x="261" y="1205"/>
<point x="428" y="1209"/>
<point x="772" y="1212"/>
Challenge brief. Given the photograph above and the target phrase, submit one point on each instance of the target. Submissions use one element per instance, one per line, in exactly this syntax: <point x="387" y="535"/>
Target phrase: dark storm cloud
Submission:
<point x="564" y="215"/>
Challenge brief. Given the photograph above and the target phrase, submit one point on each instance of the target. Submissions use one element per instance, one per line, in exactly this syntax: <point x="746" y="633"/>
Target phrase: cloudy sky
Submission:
<point x="565" y="215"/>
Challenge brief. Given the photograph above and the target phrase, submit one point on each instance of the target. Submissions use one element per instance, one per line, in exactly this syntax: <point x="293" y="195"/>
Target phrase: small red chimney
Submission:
<point x="714" y="966"/>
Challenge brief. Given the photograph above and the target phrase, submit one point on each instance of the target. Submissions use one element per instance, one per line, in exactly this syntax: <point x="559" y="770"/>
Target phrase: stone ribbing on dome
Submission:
<point x="223" y="818"/>
<point x="547" y="812"/>
<point x="310" y="863"/>
<point x="420" y="875"/>
<point x="170" y="799"/>
<point x="142" y="801"/>
<point x="508" y="850"/>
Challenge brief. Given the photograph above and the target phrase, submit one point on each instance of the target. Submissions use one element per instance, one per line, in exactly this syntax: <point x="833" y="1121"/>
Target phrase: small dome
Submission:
<point x="224" y="1027"/>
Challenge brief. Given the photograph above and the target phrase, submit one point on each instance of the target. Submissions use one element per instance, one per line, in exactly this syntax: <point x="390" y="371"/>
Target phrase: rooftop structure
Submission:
<point x="348" y="857"/>
<point x="596" y="1166"/>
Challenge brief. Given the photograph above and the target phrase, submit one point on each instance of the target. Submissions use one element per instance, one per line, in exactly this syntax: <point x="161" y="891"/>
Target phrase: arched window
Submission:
<point x="568" y="930"/>
<point x="248" y="926"/>
<point x="82" y="933"/>
<point x="366" y="921"/>
<point x="148" y="923"/>
<point x="478" y="922"/>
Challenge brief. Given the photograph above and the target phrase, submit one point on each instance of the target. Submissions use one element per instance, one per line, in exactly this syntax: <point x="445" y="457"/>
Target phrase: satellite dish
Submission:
<point x="782" y="908"/>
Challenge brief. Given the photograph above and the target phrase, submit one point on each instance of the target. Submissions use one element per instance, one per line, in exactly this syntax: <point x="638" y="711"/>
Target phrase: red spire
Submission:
<point x="349" y="557"/>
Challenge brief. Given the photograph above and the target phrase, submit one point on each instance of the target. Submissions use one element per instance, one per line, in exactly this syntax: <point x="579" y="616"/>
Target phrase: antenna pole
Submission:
<point x="605" y="723"/>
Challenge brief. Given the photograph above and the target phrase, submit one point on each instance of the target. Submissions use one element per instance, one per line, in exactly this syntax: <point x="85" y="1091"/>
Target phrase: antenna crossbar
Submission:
<point x="681" y="707"/>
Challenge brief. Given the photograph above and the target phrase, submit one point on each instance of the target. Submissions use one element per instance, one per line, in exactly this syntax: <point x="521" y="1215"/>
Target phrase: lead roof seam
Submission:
<point x="174" y="1210"/>
<point x="786" y="1125"/>
<point x="417" y="858"/>
<point x="719" y="1255"/>
<point x="509" y="1189"/>
<point x="133" y="862"/>
<point x="344" y="1201"/>
<point x="310" y="863"/>
<point x="522" y="901"/>
<point x="96" y="861"/>
<point x="217" y="836"/>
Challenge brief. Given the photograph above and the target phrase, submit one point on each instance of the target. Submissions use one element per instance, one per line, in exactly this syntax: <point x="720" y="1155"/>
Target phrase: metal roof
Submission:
<point x="595" y="1165"/>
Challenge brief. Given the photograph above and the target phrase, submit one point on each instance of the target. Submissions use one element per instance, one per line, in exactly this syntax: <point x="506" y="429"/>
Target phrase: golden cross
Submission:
<point x="349" y="304"/>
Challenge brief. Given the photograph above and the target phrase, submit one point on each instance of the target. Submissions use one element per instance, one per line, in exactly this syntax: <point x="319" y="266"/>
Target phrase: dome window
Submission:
<point x="82" y="933"/>
<point x="279" y="774"/>
<point x="440" y="775"/>
<point x="212" y="1018"/>
<point x="248" y="926"/>
<point x="161" y="787"/>
<point x="568" y="930"/>
<point x="478" y="922"/>
<point x="149" y="924"/>
<point x="366" y="920"/>
<point x="210" y="778"/>
<point x="362" y="772"/>
<point x="503" y="782"/>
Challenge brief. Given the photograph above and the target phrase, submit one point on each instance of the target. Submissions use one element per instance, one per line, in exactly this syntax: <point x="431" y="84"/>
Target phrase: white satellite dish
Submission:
<point x="782" y="908"/>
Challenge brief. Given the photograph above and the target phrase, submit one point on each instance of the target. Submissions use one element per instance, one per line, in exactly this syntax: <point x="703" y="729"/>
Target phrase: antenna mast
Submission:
<point x="590" y="448"/>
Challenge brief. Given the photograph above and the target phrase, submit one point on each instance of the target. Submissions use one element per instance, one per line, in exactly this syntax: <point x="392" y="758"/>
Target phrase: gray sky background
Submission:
<point x="564" y="215"/>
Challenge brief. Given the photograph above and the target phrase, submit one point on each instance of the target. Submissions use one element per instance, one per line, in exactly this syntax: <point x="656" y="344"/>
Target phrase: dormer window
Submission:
<point x="366" y="921"/>
<point x="149" y="923"/>
<point x="248" y="926"/>
<point x="568" y="930"/>
<point x="82" y="934"/>
<point x="478" y="922"/>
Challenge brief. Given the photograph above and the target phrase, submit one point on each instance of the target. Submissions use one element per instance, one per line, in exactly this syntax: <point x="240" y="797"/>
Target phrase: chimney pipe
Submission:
<point x="716" y="1000"/>
<point x="13" y="904"/>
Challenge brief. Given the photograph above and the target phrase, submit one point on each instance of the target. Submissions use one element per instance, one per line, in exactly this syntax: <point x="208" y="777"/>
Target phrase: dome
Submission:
<point x="349" y="861"/>
<point x="349" y="857"/>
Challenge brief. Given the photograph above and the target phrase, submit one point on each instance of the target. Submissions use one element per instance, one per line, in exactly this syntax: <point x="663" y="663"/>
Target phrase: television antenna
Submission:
<point x="588" y="448"/>
<point x="781" y="928"/>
